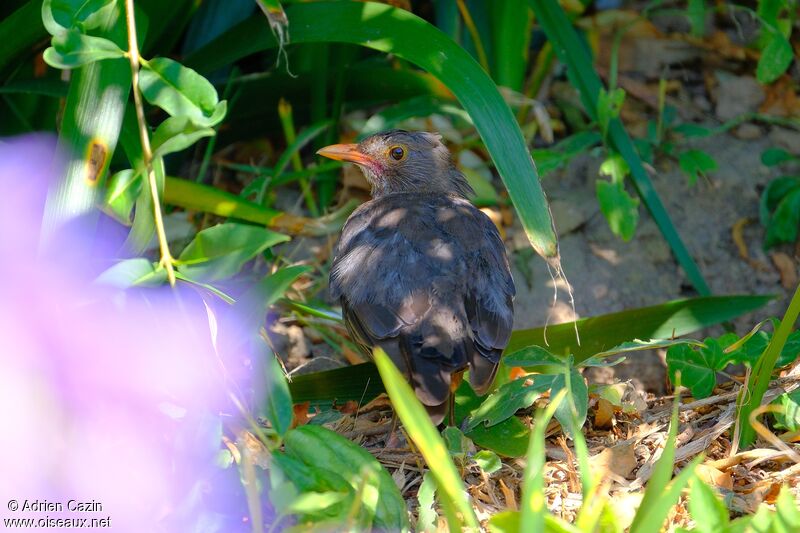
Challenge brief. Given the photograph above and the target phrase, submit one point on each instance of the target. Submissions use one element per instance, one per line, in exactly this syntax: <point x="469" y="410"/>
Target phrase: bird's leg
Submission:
<point x="455" y="382"/>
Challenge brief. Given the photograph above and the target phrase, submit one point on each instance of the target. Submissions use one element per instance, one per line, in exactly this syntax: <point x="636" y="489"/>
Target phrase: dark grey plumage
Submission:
<point x="420" y="271"/>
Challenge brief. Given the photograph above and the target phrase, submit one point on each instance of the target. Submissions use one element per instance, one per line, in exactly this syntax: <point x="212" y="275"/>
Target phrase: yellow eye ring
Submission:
<point x="397" y="153"/>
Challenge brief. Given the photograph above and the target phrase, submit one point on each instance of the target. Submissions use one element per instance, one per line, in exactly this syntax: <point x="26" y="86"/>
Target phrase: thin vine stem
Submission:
<point x="147" y="154"/>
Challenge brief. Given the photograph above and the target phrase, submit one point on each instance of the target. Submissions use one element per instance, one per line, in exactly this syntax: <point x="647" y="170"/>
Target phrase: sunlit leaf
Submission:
<point x="510" y="398"/>
<point x="72" y="49"/>
<point x="220" y="251"/>
<point x="122" y="191"/>
<point x="61" y="15"/>
<point x="132" y="273"/>
<point x="176" y="134"/>
<point x="180" y="91"/>
<point x="775" y="58"/>
<point x="695" y="163"/>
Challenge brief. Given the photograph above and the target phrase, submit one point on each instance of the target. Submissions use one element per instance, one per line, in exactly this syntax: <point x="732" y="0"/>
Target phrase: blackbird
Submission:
<point x="421" y="272"/>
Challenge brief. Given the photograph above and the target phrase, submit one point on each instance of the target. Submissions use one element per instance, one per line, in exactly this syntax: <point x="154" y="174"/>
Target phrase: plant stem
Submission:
<point x="147" y="154"/>
<point x="287" y="122"/>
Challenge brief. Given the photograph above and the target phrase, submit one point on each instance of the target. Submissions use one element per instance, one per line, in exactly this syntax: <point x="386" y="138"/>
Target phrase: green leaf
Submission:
<point x="278" y="407"/>
<point x="181" y="92"/>
<point x="609" y="104"/>
<point x="427" y="517"/>
<point x="689" y="130"/>
<point x="61" y="15"/>
<point x="784" y="224"/>
<point x="488" y="461"/>
<point x="637" y="345"/>
<point x="176" y="134"/>
<point x="576" y="405"/>
<point x="698" y="367"/>
<point x="708" y="512"/>
<point x="138" y="272"/>
<point x="775" y="191"/>
<point x="457" y="444"/>
<point x="72" y="49"/>
<point x="615" y="167"/>
<point x="772" y="157"/>
<point x="620" y="208"/>
<point x="505" y="522"/>
<point x="408" y="37"/>
<point x="428" y="441"/>
<point x="122" y="192"/>
<point x="532" y="503"/>
<point x="314" y="502"/>
<point x="323" y="449"/>
<point x="789" y="419"/>
<point x="510" y="398"/>
<point x="531" y="357"/>
<point x="220" y="251"/>
<point x="787" y="512"/>
<point x="695" y="163"/>
<point x="775" y="58"/>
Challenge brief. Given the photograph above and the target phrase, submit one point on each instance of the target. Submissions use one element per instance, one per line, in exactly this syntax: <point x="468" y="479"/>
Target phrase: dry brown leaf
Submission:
<point x="300" y="414"/>
<point x="714" y="477"/>
<point x="781" y="98"/>
<point x="786" y="269"/>
<point x="508" y="494"/>
<point x="604" y="415"/>
<point x="619" y="460"/>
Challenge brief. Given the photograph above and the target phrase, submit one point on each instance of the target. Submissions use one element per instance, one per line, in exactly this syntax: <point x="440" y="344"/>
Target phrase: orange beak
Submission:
<point x="346" y="152"/>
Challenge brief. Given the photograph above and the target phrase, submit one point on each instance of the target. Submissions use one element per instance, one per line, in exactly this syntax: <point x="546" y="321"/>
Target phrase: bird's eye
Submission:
<point x="397" y="153"/>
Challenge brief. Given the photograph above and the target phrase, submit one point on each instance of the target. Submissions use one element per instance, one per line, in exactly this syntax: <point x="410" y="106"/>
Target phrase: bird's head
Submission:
<point x="403" y="161"/>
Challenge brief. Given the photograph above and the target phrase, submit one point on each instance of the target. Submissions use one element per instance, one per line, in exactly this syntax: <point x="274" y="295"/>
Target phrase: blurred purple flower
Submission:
<point x="105" y="396"/>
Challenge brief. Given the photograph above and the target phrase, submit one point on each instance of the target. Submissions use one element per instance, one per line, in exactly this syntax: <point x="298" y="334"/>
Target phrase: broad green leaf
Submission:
<point x="698" y="367"/>
<point x="785" y="222"/>
<point x="181" y="92"/>
<point x="531" y="357"/>
<point x="457" y="444"/>
<point x="426" y="517"/>
<point x="138" y="272"/>
<point x="510" y="398"/>
<point x="73" y="49"/>
<point x="122" y="191"/>
<point x="321" y="448"/>
<point x="220" y="251"/>
<point x="789" y="419"/>
<point x="278" y="406"/>
<point x="488" y="461"/>
<point x="695" y="163"/>
<point x="620" y="208"/>
<point x="314" y="502"/>
<point x="176" y="134"/>
<point x="61" y="15"/>
<point x="576" y="404"/>
<point x="615" y="167"/>
<point x="775" y="156"/>
<point x="775" y="191"/>
<point x="775" y="58"/>
<point x="430" y="444"/>
<point x="709" y="513"/>
<point x="408" y="37"/>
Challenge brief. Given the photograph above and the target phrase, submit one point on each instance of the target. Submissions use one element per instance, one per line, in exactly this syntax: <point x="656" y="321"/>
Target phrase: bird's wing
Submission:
<point x="489" y="293"/>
